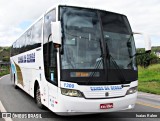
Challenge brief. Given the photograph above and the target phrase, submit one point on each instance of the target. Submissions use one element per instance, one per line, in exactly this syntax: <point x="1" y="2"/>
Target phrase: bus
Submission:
<point x="77" y="60"/>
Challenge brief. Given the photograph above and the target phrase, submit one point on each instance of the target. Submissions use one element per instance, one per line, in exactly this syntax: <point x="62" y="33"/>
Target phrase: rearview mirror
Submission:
<point x="147" y="41"/>
<point x="56" y="32"/>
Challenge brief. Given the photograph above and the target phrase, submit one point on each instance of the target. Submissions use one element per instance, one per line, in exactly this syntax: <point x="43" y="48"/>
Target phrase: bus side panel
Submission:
<point x="27" y="67"/>
<point x="26" y="72"/>
<point x="17" y="72"/>
<point x="38" y="75"/>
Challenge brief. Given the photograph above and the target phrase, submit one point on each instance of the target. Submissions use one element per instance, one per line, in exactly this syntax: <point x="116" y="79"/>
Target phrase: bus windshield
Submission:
<point x="119" y="39"/>
<point x="84" y="33"/>
<point x="82" y="46"/>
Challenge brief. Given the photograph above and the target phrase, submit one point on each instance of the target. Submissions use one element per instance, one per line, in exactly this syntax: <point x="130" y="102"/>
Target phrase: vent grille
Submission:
<point x="102" y="94"/>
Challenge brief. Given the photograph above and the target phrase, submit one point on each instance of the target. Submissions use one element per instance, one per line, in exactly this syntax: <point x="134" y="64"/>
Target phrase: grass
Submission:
<point x="149" y="79"/>
<point x="4" y="70"/>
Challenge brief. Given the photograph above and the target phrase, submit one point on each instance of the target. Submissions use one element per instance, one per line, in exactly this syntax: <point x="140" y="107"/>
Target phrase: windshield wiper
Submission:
<point x="97" y="66"/>
<point x="110" y="57"/>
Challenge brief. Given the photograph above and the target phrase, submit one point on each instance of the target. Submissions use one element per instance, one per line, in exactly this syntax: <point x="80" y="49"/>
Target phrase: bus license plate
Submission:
<point x="106" y="106"/>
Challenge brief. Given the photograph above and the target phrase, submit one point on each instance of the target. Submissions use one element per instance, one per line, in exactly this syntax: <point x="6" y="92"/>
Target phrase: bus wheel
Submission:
<point x="38" y="98"/>
<point x="14" y="81"/>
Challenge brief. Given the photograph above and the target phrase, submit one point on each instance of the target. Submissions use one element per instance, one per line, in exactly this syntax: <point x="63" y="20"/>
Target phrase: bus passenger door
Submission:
<point x="50" y="61"/>
<point x="52" y="76"/>
<point x="50" y="68"/>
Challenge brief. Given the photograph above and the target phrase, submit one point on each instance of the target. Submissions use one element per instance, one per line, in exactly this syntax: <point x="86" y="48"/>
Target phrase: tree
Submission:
<point x="145" y="59"/>
<point x="5" y="59"/>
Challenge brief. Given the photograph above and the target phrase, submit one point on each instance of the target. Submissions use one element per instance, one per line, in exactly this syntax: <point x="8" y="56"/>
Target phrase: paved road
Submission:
<point x="18" y="101"/>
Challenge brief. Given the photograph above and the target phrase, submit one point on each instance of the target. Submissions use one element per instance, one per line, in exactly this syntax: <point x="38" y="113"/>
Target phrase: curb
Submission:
<point x="4" y="76"/>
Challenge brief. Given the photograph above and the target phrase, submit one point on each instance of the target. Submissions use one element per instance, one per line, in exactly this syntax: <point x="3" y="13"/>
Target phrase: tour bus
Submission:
<point x="77" y="60"/>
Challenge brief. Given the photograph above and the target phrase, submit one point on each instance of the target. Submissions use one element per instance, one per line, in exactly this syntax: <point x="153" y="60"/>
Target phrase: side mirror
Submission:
<point x="56" y="32"/>
<point x="147" y="41"/>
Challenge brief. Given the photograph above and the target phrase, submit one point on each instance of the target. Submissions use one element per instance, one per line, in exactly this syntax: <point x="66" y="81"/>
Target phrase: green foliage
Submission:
<point x="4" y="54"/>
<point x="156" y="49"/>
<point x="145" y="59"/>
<point x="149" y="87"/>
<point x="149" y="79"/>
<point x="152" y="73"/>
<point x="4" y="70"/>
<point x="6" y="59"/>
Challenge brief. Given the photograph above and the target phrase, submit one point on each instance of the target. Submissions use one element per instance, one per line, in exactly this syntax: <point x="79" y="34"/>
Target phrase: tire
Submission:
<point x="38" y="98"/>
<point x="14" y="79"/>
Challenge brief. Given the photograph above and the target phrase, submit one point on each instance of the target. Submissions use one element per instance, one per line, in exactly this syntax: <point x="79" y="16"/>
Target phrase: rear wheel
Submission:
<point x="38" y="98"/>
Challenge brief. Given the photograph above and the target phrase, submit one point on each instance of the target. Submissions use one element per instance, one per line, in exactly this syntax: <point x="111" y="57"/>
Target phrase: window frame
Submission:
<point x="46" y="43"/>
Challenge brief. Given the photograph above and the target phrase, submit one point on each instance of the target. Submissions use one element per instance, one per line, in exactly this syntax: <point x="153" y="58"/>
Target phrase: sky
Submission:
<point x="18" y="15"/>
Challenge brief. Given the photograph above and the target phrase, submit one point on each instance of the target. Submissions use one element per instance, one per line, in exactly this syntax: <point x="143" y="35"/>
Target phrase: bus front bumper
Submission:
<point x="75" y="106"/>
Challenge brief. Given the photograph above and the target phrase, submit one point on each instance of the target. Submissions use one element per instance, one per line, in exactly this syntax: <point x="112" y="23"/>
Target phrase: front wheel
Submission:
<point x="38" y="98"/>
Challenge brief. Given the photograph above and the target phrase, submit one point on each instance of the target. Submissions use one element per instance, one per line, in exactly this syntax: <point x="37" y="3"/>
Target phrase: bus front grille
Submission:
<point x="104" y="94"/>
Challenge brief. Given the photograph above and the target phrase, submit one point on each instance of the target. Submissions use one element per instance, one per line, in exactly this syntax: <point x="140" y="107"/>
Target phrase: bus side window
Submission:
<point x="28" y="40"/>
<point x="36" y="34"/>
<point x="50" y="58"/>
<point x="49" y="17"/>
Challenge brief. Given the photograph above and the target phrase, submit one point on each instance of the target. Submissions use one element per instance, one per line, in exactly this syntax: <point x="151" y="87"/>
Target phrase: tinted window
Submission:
<point x="115" y="23"/>
<point x="48" y="49"/>
<point x="18" y="46"/>
<point x="12" y="50"/>
<point x="22" y="44"/>
<point x="49" y="17"/>
<point x="30" y="40"/>
<point x="37" y="34"/>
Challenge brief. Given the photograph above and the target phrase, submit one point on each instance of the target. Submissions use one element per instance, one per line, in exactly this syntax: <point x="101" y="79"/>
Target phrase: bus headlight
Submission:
<point x="71" y="92"/>
<point x="131" y="90"/>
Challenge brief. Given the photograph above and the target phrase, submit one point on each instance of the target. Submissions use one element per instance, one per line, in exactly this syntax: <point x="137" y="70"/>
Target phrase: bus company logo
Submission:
<point x="107" y="88"/>
<point x="107" y="94"/>
<point x="29" y="58"/>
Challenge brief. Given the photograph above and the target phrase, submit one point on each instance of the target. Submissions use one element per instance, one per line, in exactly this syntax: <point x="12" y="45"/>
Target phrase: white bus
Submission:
<point x="77" y="60"/>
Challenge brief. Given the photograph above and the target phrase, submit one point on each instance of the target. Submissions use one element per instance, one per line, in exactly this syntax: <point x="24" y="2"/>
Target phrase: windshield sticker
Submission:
<point x="101" y="88"/>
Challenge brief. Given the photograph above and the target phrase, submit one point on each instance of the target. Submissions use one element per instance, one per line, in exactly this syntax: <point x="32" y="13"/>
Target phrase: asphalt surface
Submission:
<point x="18" y="101"/>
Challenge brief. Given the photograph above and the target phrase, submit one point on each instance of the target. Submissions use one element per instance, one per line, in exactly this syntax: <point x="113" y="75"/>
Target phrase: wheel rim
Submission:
<point x="38" y="98"/>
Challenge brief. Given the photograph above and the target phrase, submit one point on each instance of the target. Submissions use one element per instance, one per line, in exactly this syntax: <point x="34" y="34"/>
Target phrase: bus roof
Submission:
<point x="80" y="6"/>
<point x="56" y="6"/>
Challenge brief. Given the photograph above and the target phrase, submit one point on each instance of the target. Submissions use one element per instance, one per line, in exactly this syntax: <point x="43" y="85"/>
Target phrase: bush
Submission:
<point x="5" y="59"/>
<point x="147" y="58"/>
<point x="4" y="70"/>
